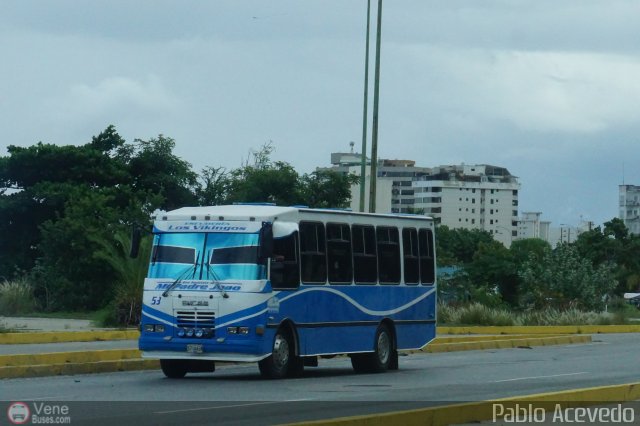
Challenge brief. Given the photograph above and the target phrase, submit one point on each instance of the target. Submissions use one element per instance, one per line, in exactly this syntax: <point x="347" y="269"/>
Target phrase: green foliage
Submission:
<point x="327" y="189"/>
<point x="155" y="169"/>
<point x="214" y="186"/>
<point x="130" y="274"/>
<point x="614" y="246"/>
<point x="61" y="204"/>
<point x="457" y="246"/>
<point x="564" y="279"/>
<point x="16" y="297"/>
<point x="474" y="314"/>
<point x="572" y="316"/>
<point x="478" y="314"/>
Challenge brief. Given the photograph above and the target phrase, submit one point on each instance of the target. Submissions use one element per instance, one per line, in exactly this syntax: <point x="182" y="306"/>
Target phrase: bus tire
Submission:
<point x="296" y="366"/>
<point x="380" y="359"/>
<point x="359" y="362"/>
<point x="278" y="364"/>
<point x="174" y="368"/>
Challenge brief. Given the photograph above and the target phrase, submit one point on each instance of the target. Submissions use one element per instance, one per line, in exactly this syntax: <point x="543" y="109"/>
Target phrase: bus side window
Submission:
<point x="388" y="255"/>
<point x="410" y="253"/>
<point x="285" y="271"/>
<point x="339" y="253"/>
<point x="313" y="252"/>
<point x="365" y="262"/>
<point x="427" y="264"/>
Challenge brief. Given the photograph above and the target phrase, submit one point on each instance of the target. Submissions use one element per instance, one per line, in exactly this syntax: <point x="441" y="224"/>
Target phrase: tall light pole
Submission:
<point x="363" y="160"/>
<point x="374" y="133"/>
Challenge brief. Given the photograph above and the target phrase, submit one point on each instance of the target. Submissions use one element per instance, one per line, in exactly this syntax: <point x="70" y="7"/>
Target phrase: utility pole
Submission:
<point x="363" y="160"/>
<point x="374" y="133"/>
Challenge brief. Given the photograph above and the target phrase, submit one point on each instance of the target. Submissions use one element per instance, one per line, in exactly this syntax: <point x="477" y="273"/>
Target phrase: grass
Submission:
<point x="477" y="314"/>
<point x="93" y="316"/>
<point x="16" y="297"/>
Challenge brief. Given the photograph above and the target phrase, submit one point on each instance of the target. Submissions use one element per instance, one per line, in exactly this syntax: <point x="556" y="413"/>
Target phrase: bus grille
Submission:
<point x="196" y="319"/>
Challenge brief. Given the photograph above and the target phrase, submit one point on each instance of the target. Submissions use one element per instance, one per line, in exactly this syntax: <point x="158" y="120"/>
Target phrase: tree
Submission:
<point x="565" y="279"/>
<point x="130" y="273"/>
<point x="155" y="169"/>
<point x="327" y="189"/>
<point x="457" y="246"/>
<point x="55" y="199"/>
<point x="214" y="186"/>
<point x="613" y="245"/>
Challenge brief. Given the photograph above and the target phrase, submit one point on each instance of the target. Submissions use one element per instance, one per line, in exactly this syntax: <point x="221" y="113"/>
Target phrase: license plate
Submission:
<point x="195" y="349"/>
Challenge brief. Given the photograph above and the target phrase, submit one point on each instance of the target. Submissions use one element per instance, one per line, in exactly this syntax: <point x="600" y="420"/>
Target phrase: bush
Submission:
<point x="478" y="314"/>
<point x="16" y="297"/>
<point x="572" y="316"/>
<point x="474" y="314"/>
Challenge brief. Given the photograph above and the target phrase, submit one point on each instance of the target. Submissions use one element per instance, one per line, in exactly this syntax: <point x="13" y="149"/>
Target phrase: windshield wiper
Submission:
<point x="216" y="279"/>
<point x="182" y="276"/>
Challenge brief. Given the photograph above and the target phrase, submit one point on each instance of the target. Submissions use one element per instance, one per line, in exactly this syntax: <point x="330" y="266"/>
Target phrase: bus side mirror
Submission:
<point x="265" y="249"/>
<point x="136" y="236"/>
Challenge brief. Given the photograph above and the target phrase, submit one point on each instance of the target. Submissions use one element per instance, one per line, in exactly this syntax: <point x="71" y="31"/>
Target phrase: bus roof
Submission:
<point x="263" y="212"/>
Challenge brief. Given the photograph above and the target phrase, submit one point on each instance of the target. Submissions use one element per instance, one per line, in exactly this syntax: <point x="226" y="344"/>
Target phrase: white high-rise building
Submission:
<point x="530" y="226"/>
<point x="471" y="196"/>
<point x="629" y="204"/>
<point x="394" y="193"/>
<point x="466" y="196"/>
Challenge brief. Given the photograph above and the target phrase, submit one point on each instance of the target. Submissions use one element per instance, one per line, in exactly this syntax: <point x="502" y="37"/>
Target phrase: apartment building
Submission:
<point x="460" y="196"/>
<point x="471" y="196"/>
<point x="394" y="191"/>
<point x="530" y="225"/>
<point x="629" y="207"/>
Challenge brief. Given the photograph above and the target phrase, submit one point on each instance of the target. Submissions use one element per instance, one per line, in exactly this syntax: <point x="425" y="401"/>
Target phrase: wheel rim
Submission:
<point x="280" y="351"/>
<point x="384" y="347"/>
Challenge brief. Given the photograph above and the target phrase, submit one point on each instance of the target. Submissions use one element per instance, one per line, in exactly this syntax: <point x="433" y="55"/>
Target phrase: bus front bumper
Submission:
<point x="207" y="356"/>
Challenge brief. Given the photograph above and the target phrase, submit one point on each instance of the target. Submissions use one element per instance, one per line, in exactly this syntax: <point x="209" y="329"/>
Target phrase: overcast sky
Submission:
<point x="548" y="89"/>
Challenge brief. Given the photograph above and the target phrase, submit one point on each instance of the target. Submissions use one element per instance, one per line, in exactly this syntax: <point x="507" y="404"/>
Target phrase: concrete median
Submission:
<point x="475" y="412"/>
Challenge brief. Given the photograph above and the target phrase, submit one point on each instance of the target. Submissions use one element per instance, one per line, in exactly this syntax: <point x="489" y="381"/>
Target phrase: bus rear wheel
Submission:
<point x="174" y="368"/>
<point x="282" y="361"/>
<point x="380" y="359"/>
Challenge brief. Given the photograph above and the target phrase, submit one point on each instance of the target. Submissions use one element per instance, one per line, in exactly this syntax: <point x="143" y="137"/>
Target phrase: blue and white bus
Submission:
<point x="282" y="286"/>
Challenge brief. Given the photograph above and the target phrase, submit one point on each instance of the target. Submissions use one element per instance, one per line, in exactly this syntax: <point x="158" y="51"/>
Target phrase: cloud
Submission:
<point x="114" y="96"/>
<point x="538" y="91"/>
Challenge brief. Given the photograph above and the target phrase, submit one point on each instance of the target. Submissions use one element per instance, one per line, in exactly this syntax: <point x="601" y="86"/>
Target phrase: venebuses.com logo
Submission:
<point x="18" y="413"/>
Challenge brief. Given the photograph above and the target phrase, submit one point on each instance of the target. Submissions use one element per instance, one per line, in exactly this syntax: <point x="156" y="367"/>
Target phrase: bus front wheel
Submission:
<point x="174" y="368"/>
<point x="281" y="361"/>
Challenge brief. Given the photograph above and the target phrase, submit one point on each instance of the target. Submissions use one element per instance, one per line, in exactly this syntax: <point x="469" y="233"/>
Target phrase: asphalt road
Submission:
<point x="237" y="395"/>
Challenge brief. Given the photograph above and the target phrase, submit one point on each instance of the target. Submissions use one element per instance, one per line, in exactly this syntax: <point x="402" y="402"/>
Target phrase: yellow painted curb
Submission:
<point x="471" y="338"/>
<point x="505" y="343"/>
<point x="549" y="329"/>
<point x="481" y="411"/>
<point x="67" y="336"/>
<point x="68" y="357"/>
<point x="21" y="371"/>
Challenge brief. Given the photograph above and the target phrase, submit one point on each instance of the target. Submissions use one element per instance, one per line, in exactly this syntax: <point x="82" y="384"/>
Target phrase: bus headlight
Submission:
<point x="199" y="332"/>
<point x="148" y="328"/>
<point x="181" y="332"/>
<point x="190" y="332"/>
<point x="243" y="330"/>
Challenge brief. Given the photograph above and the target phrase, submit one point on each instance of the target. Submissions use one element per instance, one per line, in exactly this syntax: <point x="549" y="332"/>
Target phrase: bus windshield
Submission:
<point x="206" y="256"/>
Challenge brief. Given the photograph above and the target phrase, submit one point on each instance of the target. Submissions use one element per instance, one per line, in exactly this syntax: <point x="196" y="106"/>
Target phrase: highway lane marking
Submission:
<point x="541" y="377"/>
<point x="35" y="399"/>
<point x="218" y="407"/>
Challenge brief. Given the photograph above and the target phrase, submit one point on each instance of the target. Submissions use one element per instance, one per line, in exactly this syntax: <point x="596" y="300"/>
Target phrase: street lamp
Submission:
<point x="363" y="160"/>
<point x="374" y="133"/>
